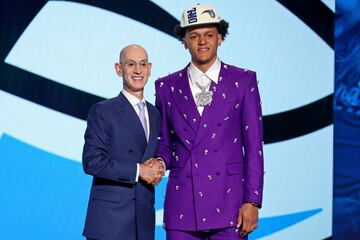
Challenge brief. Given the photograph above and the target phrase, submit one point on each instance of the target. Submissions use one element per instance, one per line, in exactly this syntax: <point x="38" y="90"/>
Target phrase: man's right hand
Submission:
<point x="152" y="171"/>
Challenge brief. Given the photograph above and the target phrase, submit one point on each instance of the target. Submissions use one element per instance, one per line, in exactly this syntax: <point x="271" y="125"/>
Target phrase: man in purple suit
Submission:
<point x="210" y="138"/>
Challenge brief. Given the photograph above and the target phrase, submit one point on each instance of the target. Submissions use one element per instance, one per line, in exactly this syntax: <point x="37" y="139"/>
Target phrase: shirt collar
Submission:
<point x="212" y="73"/>
<point x="132" y="99"/>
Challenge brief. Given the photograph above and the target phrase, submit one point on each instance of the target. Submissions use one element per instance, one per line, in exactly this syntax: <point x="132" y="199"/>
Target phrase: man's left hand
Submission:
<point x="247" y="219"/>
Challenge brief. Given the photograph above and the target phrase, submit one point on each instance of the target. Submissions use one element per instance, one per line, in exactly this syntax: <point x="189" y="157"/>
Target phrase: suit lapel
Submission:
<point x="184" y="100"/>
<point x="153" y="132"/>
<point x="131" y="120"/>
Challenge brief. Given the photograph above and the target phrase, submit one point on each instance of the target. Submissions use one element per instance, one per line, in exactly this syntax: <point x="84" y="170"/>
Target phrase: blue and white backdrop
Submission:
<point x="57" y="57"/>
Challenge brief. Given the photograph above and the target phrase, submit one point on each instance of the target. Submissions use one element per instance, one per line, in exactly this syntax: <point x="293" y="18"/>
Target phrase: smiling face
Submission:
<point x="134" y="68"/>
<point x="202" y="43"/>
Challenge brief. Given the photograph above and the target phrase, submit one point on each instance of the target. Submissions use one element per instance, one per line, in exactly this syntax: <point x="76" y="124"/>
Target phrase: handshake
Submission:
<point x="152" y="171"/>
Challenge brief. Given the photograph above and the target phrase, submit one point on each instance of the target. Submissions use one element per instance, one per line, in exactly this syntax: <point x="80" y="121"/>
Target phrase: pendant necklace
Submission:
<point x="205" y="96"/>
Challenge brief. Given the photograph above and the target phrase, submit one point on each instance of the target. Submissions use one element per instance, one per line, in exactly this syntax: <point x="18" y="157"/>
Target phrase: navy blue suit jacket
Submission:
<point x="119" y="207"/>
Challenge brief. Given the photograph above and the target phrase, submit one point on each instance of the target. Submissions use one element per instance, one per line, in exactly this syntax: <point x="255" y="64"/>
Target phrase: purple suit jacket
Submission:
<point x="215" y="160"/>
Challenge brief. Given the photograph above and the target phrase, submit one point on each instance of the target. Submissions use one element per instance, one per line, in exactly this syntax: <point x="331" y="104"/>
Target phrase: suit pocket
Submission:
<point x="98" y="194"/>
<point x="235" y="168"/>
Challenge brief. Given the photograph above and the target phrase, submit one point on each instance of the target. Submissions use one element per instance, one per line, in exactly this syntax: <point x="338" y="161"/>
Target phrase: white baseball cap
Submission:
<point x="199" y="14"/>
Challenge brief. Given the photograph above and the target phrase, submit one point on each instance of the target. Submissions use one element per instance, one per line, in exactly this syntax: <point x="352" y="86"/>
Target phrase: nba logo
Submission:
<point x="192" y="15"/>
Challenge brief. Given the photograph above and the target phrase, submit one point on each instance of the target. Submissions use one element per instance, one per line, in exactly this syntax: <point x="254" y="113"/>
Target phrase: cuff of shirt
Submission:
<point x="137" y="172"/>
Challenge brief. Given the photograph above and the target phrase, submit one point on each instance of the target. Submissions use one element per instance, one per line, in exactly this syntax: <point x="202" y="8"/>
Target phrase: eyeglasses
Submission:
<point x="132" y="65"/>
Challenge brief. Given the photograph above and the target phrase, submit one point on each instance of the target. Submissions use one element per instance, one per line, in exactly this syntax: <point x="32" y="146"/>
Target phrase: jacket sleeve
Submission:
<point x="164" y="150"/>
<point x="252" y="134"/>
<point x="96" y="158"/>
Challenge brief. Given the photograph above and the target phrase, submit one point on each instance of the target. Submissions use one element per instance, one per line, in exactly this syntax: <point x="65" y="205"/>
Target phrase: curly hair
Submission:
<point x="222" y="28"/>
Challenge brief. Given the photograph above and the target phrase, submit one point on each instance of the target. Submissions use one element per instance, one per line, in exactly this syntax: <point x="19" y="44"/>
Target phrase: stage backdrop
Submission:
<point x="57" y="59"/>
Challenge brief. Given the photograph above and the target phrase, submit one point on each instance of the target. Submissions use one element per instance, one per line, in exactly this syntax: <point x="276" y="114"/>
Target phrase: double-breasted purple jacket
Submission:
<point x="215" y="160"/>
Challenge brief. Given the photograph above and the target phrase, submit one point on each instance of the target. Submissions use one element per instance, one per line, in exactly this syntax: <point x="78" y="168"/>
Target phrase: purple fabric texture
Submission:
<point x="215" y="160"/>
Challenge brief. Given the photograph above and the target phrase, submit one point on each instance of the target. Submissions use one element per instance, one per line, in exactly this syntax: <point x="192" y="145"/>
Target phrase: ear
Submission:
<point x="184" y="43"/>
<point x="150" y="65"/>
<point x="219" y="39"/>
<point x="118" y="69"/>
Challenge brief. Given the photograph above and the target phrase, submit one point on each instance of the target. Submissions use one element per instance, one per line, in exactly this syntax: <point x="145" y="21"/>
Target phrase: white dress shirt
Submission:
<point x="203" y="79"/>
<point x="134" y="101"/>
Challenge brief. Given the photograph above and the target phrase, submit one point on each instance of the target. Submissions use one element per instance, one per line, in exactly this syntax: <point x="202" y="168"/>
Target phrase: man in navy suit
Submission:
<point x="120" y="142"/>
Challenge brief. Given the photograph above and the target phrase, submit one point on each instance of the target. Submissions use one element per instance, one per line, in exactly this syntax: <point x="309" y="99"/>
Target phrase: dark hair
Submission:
<point x="222" y="28"/>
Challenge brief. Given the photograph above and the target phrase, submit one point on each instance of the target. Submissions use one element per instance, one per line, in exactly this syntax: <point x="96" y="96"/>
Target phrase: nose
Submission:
<point x="137" y="68"/>
<point x="202" y="40"/>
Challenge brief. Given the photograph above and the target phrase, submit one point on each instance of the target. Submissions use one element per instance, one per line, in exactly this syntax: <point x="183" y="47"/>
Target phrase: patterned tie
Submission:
<point x="141" y="106"/>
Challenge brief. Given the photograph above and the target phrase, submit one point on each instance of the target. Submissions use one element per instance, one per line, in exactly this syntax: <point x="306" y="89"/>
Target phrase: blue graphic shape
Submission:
<point x="271" y="225"/>
<point x="160" y="193"/>
<point x="43" y="196"/>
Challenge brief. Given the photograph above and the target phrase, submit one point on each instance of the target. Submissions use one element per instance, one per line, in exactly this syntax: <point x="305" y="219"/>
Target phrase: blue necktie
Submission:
<point x="141" y="106"/>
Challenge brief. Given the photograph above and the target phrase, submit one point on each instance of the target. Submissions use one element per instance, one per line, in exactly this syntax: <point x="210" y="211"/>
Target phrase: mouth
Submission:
<point x="203" y="49"/>
<point x="137" y="78"/>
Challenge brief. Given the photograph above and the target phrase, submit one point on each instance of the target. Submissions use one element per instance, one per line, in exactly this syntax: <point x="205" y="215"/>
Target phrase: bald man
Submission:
<point x="120" y="143"/>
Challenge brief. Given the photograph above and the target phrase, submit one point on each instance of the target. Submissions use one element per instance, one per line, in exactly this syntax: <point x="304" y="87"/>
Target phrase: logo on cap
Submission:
<point x="191" y="14"/>
<point x="210" y="12"/>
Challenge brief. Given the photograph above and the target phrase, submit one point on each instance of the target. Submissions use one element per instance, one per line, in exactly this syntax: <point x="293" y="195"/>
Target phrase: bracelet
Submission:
<point x="254" y="204"/>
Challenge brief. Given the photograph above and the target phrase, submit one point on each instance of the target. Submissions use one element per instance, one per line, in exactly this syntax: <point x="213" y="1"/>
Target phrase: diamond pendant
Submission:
<point x="203" y="98"/>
